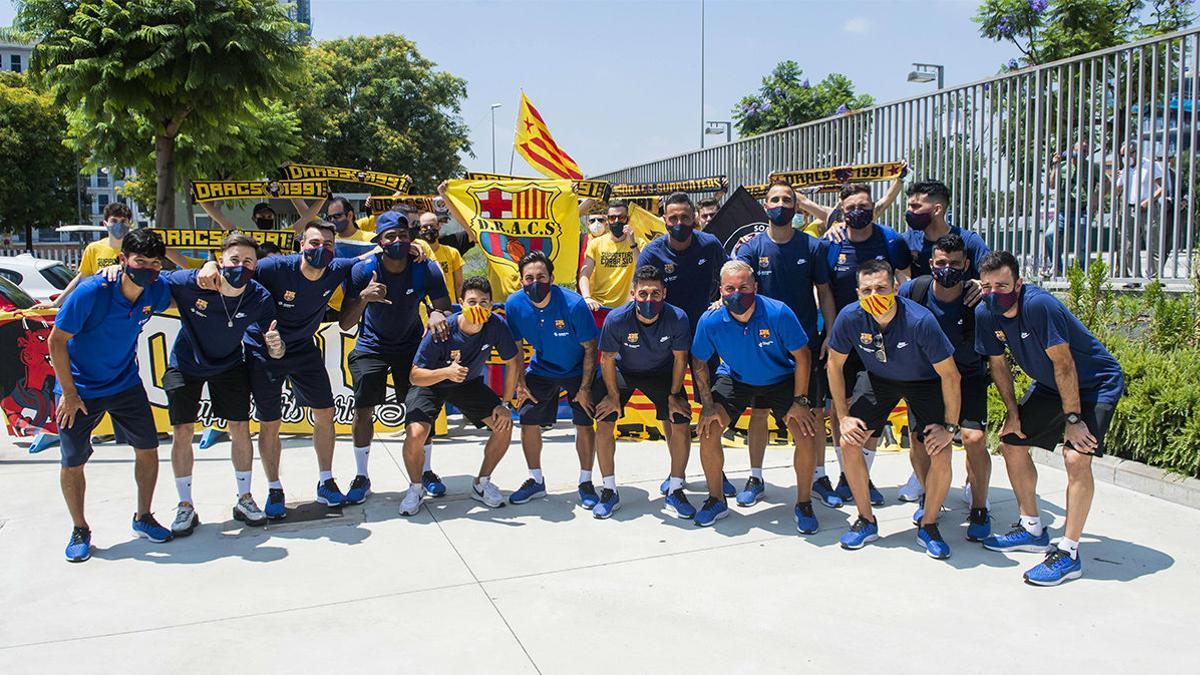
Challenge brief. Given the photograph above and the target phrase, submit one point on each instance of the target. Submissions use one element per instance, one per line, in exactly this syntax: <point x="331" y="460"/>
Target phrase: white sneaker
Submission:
<point x="490" y="496"/>
<point x="185" y="520"/>
<point x="912" y="490"/>
<point x="247" y="511"/>
<point x="966" y="496"/>
<point x="411" y="503"/>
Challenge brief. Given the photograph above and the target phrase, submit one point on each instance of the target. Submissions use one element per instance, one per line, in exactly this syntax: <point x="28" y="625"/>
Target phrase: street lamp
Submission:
<point x="927" y="72"/>
<point x="718" y="128"/>
<point x="494" y="106"/>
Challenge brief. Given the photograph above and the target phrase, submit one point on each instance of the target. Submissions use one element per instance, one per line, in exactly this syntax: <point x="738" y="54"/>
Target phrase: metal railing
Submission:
<point x="1088" y="157"/>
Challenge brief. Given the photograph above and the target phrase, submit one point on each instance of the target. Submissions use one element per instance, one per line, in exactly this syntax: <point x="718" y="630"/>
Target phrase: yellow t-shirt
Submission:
<point x="366" y="223"/>
<point x="194" y="263"/>
<point x="614" y="262"/>
<point x="813" y="228"/>
<point x="96" y="256"/>
<point x="450" y="260"/>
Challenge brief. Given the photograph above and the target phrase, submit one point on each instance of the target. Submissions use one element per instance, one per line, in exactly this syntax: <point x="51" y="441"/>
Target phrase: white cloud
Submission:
<point x="856" y="25"/>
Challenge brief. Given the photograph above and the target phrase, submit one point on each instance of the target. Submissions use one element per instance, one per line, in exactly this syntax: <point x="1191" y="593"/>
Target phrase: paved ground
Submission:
<point x="547" y="588"/>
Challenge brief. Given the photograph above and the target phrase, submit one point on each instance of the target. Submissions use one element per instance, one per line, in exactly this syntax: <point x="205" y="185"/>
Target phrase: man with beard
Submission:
<point x="608" y="263"/>
<point x="447" y="257"/>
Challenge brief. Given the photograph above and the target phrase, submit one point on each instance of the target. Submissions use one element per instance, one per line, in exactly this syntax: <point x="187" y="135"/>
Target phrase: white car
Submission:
<point x="41" y="278"/>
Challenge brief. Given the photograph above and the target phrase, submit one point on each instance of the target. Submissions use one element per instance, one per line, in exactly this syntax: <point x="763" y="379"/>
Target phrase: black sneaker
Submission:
<point x="980" y="526"/>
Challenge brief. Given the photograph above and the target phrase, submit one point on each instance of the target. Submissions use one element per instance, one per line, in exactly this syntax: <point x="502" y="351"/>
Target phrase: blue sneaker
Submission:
<point x="434" y="487"/>
<point x="609" y="501"/>
<point x="979" y="525"/>
<point x="148" y="527"/>
<point x="935" y="546"/>
<point x="806" y="520"/>
<point x="1019" y="539"/>
<point x="861" y="533"/>
<point x="588" y="498"/>
<point x="665" y="486"/>
<point x="80" y="546"/>
<point x="713" y="510"/>
<point x="920" y="512"/>
<point x="329" y="494"/>
<point x="530" y="489"/>
<point x="1058" y="567"/>
<point x="727" y="488"/>
<point x="360" y="487"/>
<point x="875" y="495"/>
<point x="843" y="490"/>
<point x="825" y="491"/>
<point x="750" y="494"/>
<point x="275" y="509"/>
<point x="679" y="506"/>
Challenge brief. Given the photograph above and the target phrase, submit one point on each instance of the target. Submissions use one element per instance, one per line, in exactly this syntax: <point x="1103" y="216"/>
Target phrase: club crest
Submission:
<point x="201" y="304"/>
<point x="289" y="295"/>
<point x="632" y="337"/>
<point x="865" y="338"/>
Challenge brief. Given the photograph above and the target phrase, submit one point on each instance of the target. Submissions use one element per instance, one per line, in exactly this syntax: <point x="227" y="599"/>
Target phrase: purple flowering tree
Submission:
<point x="787" y="98"/>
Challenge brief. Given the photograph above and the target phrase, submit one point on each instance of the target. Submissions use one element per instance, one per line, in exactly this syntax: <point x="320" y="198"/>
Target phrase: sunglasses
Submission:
<point x="594" y="220"/>
<point x="618" y="219"/>
<point x="880" y="354"/>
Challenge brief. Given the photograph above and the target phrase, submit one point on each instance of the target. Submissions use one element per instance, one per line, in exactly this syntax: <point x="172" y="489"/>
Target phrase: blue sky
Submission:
<point x="619" y="82"/>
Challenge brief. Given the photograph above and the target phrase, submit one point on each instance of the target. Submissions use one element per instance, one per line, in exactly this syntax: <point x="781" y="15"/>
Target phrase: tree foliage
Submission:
<point x="787" y="98"/>
<point x="38" y="174"/>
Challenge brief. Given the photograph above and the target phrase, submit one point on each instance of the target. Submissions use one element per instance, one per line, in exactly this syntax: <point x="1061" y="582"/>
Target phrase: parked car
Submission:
<point x="12" y="297"/>
<point x="41" y="278"/>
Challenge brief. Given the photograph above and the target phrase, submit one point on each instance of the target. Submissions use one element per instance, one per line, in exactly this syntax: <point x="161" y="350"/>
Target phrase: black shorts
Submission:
<point x="973" y="413"/>
<point x="851" y="369"/>
<point x="228" y="393"/>
<point x="302" y="367"/>
<point x="655" y="386"/>
<point x="736" y="397"/>
<point x="1043" y="422"/>
<point x="875" y="397"/>
<point x="547" y="390"/>
<point x="132" y="420"/>
<point x="369" y="373"/>
<point x="474" y="398"/>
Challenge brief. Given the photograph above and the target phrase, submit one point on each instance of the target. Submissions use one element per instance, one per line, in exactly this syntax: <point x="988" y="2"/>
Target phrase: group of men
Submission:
<point x="863" y="318"/>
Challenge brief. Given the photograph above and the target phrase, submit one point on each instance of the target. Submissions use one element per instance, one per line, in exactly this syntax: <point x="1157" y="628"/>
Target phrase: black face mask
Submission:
<point x="429" y="234"/>
<point x="617" y="229"/>
<point x="265" y="223"/>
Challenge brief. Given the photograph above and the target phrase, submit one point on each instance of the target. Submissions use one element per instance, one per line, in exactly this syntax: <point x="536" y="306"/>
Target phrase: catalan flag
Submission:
<point x="539" y="149"/>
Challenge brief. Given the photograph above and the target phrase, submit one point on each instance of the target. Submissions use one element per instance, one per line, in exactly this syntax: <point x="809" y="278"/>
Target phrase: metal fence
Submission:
<point x="1085" y="158"/>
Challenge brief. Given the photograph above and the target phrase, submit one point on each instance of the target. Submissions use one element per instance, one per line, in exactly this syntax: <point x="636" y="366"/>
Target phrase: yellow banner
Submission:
<point x="211" y="239"/>
<point x="708" y="184"/>
<point x="391" y="181"/>
<point x="840" y="175"/>
<point x="598" y="190"/>
<point x="646" y="225"/>
<point x="217" y="190"/>
<point x="512" y="217"/>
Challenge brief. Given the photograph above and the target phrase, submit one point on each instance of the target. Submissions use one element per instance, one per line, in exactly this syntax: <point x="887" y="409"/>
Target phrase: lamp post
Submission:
<point x="719" y="127"/>
<point x="494" y="106"/>
<point x="927" y="72"/>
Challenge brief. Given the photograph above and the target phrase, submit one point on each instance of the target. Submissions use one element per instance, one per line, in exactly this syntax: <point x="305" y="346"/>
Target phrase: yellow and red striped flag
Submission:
<point x="537" y="146"/>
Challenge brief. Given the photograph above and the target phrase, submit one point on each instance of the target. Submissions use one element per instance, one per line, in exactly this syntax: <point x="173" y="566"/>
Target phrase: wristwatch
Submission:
<point x="679" y="394"/>
<point x="951" y="428"/>
<point x="802" y="401"/>
<point x="1074" y="418"/>
<point x="509" y="406"/>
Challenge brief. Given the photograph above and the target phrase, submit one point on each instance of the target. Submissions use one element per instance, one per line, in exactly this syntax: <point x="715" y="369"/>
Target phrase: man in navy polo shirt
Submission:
<point x="386" y="291"/>
<point x="644" y="347"/>
<point x="906" y="355"/>
<point x="928" y="202"/>
<point x="208" y="350"/>
<point x="451" y="370"/>
<point x="1076" y="386"/>
<point x="788" y="266"/>
<point x="558" y="325"/>
<point x="764" y="360"/>
<point x="93" y="349"/>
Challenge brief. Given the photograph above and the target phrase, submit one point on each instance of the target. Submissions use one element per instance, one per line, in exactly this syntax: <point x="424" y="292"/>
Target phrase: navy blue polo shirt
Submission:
<point x="788" y="273"/>
<point x="299" y="303"/>
<point x="1043" y="322"/>
<point x="645" y="348"/>
<point x="394" y="328"/>
<point x="692" y="275"/>
<point x="206" y="343"/>
<point x="950" y="316"/>
<point x="556" y="332"/>
<point x="913" y="341"/>
<point x="471" y="351"/>
<point x="758" y="352"/>
<point x="103" y="348"/>
<point x="845" y="256"/>
<point x="922" y="250"/>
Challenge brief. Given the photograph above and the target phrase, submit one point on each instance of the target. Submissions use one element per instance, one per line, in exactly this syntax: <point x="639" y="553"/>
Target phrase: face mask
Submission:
<point x="595" y="229"/>
<point x="798" y="220"/>
<point x="397" y="250"/>
<point x="948" y="276"/>
<point x="142" y="276"/>
<point x="236" y="275"/>
<point x="265" y="223"/>
<point x="680" y="233"/>
<point x="918" y="221"/>
<point x="118" y="229"/>
<point x="341" y="225"/>
<point x="1000" y="303"/>
<point x="476" y="314"/>
<point x="878" y="304"/>
<point x="538" y="290"/>
<point x="857" y="218"/>
<point x="318" y="257"/>
<point x="429" y="234"/>
<point x="617" y="229"/>
<point x="648" y="309"/>
<point x="738" y="302"/>
<point x="780" y="215"/>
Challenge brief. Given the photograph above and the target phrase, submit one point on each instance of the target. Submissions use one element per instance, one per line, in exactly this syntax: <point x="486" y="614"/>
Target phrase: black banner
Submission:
<point x="708" y="184"/>
<point x="395" y="182"/>
<point x="218" y="190"/>
<point x="740" y="215"/>
<point x="211" y="239"/>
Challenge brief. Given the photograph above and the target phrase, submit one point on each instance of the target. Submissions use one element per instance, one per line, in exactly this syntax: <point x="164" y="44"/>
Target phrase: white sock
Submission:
<point x="325" y="475"/>
<point x="243" y="481"/>
<point x="1069" y="546"/>
<point x="361" y="456"/>
<point x="183" y="485"/>
<point x="416" y="486"/>
<point x="536" y="475"/>
<point x="274" y="485"/>
<point x="585" y="476"/>
<point x="818" y="473"/>
<point x="1032" y="524"/>
<point x="610" y="482"/>
<point x="756" y="471"/>
<point x="482" y="481"/>
<point x="428" y="456"/>
<point x="869" y="455"/>
<point x="676" y="483"/>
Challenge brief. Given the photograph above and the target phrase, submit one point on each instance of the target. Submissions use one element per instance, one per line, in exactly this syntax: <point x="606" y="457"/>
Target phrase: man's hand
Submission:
<point x="522" y="395"/>
<point x="441" y="188"/>
<point x="584" y="398"/>
<point x="1012" y="425"/>
<point x="836" y="232"/>
<point x="713" y="420"/>
<point x="499" y="420"/>
<point x="971" y="293"/>
<point x="1080" y="438"/>
<point x="111" y="273"/>
<point x="854" y="430"/>
<point x="273" y="341"/>
<point x="375" y="291"/>
<point x="802" y="417"/>
<point x="68" y="405"/>
<point x="937" y="439"/>
<point x="455" y="372"/>
<point x="44" y="304"/>
<point x="606" y="407"/>
<point x="209" y="277"/>
<point x="679" y="404"/>
<point x="591" y="303"/>
<point x="438" y="326"/>
<point x="418" y="254"/>
<point x="745" y="239"/>
<point x="824" y="351"/>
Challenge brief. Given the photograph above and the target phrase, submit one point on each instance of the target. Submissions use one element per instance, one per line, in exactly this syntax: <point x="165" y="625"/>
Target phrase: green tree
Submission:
<point x="39" y="176"/>
<point x="786" y="98"/>
<point x="377" y="103"/>
<point x="140" y="75"/>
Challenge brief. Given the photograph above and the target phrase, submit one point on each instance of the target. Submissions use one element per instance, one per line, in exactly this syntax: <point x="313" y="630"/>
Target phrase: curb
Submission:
<point x="1135" y="476"/>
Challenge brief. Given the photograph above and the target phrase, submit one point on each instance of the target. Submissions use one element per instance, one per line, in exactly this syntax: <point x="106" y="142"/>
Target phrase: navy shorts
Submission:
<point x="369" y="374"/>
<point x="1043" y="423"/>
<point x="654" y="386"/>
<point x="473" y="398"/>
<point x="228" y="395"/>
<point x="547" y="390"/>
<point x="304" y="370"/>
<point x="132" y="420"/>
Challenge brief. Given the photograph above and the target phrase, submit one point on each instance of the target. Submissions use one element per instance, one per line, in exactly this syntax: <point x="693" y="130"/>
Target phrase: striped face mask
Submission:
<point x="476" y="314"/>
<point x="878" y="304"/>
